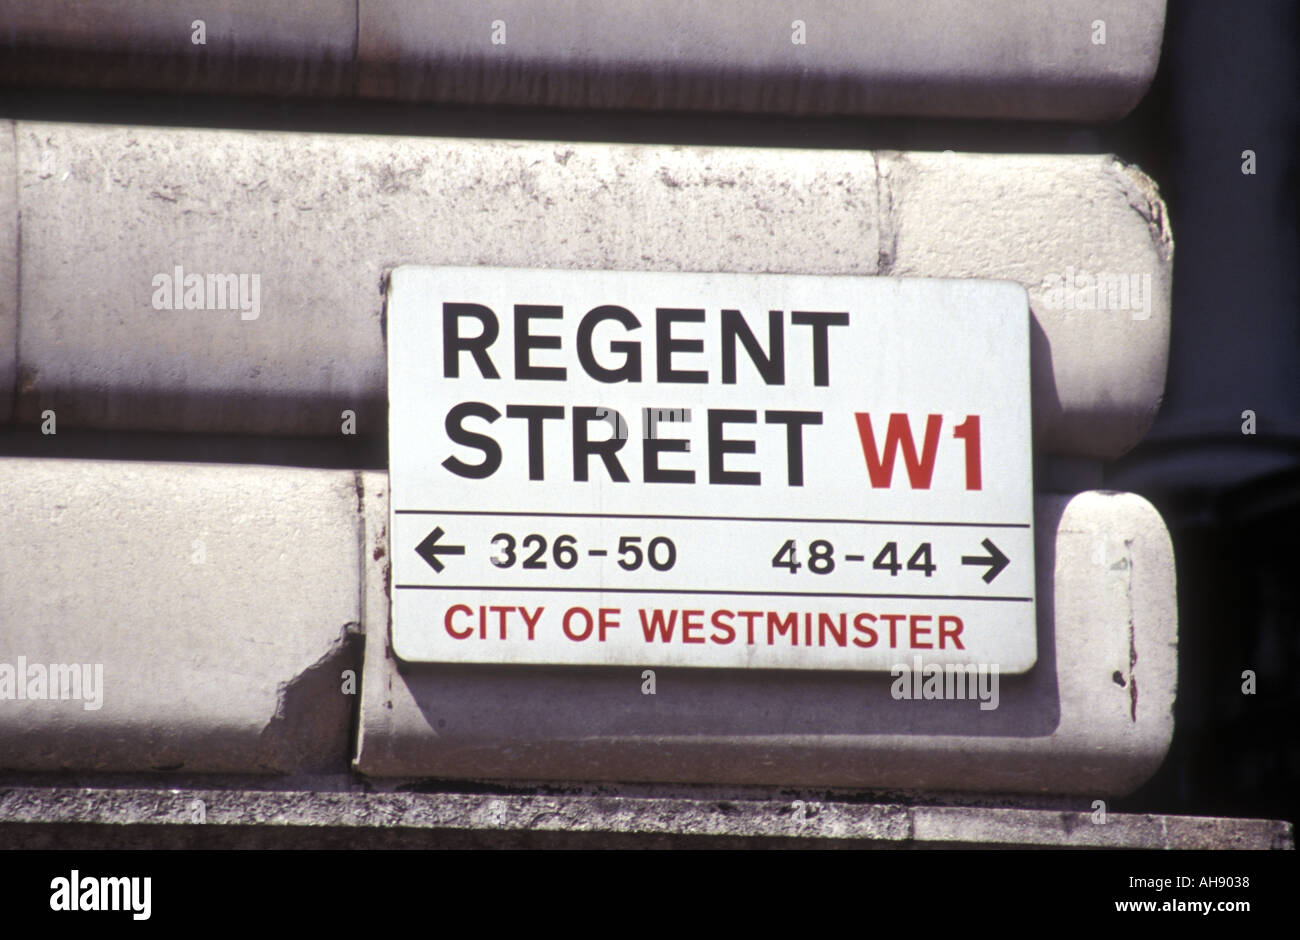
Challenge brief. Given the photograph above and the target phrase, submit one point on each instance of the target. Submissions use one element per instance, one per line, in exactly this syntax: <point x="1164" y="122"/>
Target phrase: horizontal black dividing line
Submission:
<point x="627" y="515"/>
<point x="609" y="590"/>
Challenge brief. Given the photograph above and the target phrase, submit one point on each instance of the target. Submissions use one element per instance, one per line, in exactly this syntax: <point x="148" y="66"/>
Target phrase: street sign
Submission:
<point x="711" y="470"/>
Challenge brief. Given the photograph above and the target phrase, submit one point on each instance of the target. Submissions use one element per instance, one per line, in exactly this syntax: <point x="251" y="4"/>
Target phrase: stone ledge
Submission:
<point x="86" y="817"/>
<point x="1004" y="59"/>
<point x="251" y="47"/>
<point x="1074" y="724"/>
<point x="219" y="604"/>
<point x="319" y="219"/>
<point x="223" y="635"/>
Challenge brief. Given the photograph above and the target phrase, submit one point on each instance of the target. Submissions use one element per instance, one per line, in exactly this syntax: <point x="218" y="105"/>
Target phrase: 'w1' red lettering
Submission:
<point x="920" y="468"/>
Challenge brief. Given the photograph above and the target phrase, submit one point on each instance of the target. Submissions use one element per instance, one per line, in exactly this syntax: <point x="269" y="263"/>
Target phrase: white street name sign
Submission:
<point x="752" y="471"/>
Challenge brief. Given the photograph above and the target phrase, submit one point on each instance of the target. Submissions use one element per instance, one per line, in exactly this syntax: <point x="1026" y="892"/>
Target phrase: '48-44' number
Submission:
<point x="821" y="558"/>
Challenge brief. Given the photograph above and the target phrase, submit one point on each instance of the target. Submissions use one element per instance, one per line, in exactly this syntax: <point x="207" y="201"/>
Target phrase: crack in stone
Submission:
<point x="886" y="223"/>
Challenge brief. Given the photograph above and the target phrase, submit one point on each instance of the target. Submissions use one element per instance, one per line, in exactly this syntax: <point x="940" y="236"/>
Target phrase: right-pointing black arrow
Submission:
<point x="994" y="559"/>
<point x="429" y="549"/>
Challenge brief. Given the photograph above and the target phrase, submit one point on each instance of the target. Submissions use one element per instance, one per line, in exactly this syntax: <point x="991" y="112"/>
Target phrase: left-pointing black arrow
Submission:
<point x="429" y="549"/>
<point x="995" y="560"/>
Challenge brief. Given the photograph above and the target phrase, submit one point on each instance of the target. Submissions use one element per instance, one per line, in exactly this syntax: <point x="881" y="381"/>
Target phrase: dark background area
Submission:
<point x="1228" y="81"/>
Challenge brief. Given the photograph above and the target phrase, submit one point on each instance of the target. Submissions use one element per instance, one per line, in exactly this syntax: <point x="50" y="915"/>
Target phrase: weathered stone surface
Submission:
<point x="221" y="602"/>
<point x="1098" y="363"/>
<point x="33" y="817"/>
<point x="8" y="269"/>
<point x="1004" y="59"/>
<point x="1013" y="58"/>
<point x="1094" y="717"/>
<point x="248" y="46"/>
<point x="321" y="218"/>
